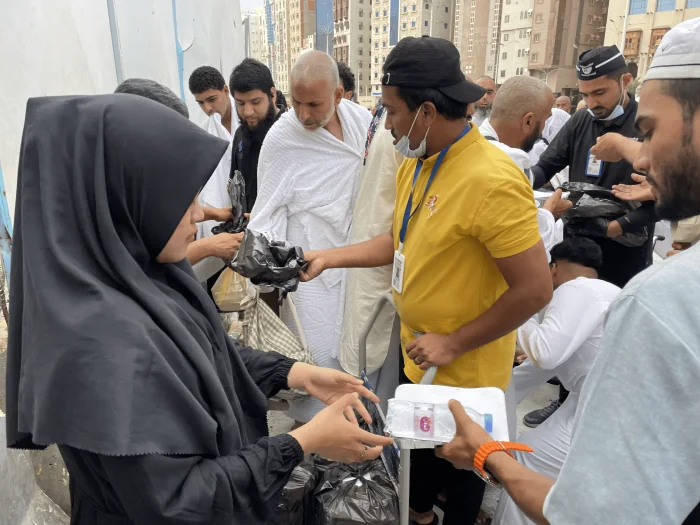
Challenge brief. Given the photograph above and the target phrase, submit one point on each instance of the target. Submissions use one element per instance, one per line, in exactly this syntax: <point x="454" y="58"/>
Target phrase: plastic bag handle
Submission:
<point x="297" y="322"/>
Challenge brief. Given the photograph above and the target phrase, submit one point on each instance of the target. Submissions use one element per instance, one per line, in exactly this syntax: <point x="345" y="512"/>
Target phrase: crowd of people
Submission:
<point x="117" y="352"/>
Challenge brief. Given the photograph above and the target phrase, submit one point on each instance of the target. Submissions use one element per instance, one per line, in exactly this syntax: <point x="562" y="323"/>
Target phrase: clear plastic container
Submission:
<point x="428" y="421"/>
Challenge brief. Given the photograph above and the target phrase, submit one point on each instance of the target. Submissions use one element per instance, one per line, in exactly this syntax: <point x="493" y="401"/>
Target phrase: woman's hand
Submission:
<point x="329" y="385"/>
<point x="332" y="436"/>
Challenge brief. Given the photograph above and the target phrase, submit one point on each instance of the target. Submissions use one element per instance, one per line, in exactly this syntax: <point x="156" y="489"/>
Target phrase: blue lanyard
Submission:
<point x="408" y="213"/>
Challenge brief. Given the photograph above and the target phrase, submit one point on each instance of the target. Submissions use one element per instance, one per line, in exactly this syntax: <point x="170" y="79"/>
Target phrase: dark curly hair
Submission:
<point x="204" y="78"/>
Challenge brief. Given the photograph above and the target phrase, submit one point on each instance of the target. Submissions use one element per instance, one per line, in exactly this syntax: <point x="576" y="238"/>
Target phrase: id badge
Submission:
<point x="397" y="272"/>
<point x="594" y="167"/>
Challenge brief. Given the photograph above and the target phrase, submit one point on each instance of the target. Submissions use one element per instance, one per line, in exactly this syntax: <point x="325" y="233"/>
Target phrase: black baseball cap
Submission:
<point x="429" y="62"/>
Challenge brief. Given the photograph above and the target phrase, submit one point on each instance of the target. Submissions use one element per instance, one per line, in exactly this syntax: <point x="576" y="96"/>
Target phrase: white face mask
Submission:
<point x="403" y="145"/>
<point x="617" y="112"/>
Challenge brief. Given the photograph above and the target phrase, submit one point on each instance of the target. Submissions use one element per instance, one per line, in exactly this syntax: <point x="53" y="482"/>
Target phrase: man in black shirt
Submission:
<point x="255" y="97"/>
<point x="603" y="82"/>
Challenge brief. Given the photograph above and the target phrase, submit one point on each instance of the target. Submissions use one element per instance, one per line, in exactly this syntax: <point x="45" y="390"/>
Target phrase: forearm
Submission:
<point x="378" y="251"/>
<point x="637" y="220"/>
<point x="628" y="148"/>
<point x="509" y="312"/>
<point x="199" y="250"/>
<point x="526" y="488"/>
<point x="209" y="213"/>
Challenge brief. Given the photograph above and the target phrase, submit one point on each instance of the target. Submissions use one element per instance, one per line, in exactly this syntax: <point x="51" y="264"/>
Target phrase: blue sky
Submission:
<point x="250" y="4"/>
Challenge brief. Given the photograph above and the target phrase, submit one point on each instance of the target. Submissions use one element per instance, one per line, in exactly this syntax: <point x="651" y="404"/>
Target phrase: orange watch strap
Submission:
<point x="487" y="449"/>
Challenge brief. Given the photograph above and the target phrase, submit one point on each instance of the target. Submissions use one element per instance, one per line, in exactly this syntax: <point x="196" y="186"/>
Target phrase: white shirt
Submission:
<point x="565" y="336"/>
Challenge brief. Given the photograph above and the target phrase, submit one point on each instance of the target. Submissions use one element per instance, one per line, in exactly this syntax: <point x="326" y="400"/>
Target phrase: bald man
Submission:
<point x="563" y="103"/>
<point x="483" y="106"/>
<point x="308" y="172"/>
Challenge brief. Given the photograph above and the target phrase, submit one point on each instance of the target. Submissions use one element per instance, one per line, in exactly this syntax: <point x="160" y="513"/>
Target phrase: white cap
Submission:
<point x="678" y="55"/>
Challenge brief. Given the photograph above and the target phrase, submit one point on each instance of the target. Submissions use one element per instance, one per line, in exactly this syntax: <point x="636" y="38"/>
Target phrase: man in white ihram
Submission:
<point x="307" y="180"/>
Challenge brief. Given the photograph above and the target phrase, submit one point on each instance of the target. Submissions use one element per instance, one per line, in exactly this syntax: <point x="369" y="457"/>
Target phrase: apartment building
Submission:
<point x="281" y="46"/>
<point x="648" y="22"/>
<point x="351" y="43"/>
<point x="393" y="20"/>
<point x="255" y="31"/>
<point x="270" y="36"/>
<point x="516" y="23"/>
<point x="302" y="23"/>
<point x="473" y="36"/>
<point x="561" y="31"/>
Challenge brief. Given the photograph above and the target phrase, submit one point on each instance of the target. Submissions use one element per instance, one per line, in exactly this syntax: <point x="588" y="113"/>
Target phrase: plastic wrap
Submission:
<point x="594" y="208"/>
<point x="269" y="263"/>
<point x="297" y="504"/>
<point x="236" y="193"/>
<point x="356" y="494"/>
<point x="428" y="421"/>
<point x="230" y="292"/>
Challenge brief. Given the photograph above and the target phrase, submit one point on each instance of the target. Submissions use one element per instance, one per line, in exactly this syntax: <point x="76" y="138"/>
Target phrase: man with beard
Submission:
<point x="564" y="103"/>
<point x="255" y="97"/>
<point x="307" y="181"/>
<point x="632" y="456"/>
<point x="603" y="79"/>
<point x="483" y="106"/>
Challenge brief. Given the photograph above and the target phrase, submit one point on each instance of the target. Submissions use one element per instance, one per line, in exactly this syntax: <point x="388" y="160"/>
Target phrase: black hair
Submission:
<point x="347" y="77"/>
<point x="281" y="101"/>
<point x="445" y="106"/>
<point x="618" y="73"/>
<point x="204" y="78"/>
<point x="687" y="92"/>
<point x="250" y="75"/>
<point x="144" y="87"/>
<point x="578" y="250"/>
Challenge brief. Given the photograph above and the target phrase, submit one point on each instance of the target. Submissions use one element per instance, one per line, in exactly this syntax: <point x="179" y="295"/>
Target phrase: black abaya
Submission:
<point x="118" y="359"/>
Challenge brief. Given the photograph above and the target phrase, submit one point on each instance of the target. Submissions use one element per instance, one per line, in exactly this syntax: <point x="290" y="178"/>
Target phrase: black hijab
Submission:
<point x="110" y="351"/>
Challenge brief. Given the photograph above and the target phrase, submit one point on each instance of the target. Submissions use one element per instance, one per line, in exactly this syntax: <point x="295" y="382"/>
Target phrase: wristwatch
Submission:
<point x="486" y="450"/>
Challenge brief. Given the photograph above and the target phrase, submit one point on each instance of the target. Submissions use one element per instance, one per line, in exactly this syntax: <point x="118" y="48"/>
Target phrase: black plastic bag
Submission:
<point x="236" y="194"/>
<point x="269" y="263"/>
<point x="356" y="494"/>
<point x="594" y="208"/>
<point x="297" y="504"/>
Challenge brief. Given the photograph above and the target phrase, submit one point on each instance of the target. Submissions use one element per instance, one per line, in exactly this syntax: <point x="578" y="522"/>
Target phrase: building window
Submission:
<point x="413" y="7"/>
<point x="362" y="13"/>
<point x="362" y="26"/>
<point x="384" y="12"/>
<point x="666" y="5"/>
<point x="376" y="14"/>
<point x="504" y="56"/>
<point x="376" y="29"/>
<point x="693" y="3"/>
<point x="445" y="26"/>
<point x="403" y="26"/>
<point x="405" y="8"/>
<point x="506" y="19"/>
<point x="425" y="24"/>
<point x="490" y="68"/>
<point x="505" y="37"/>
<point x="376" y="60"/>
<point x="521" y="15"/>
<point x="427" y="6"/>
<point x="384" y="44"/>
<point x="533" y="57"/>
<point x="638" y="7"/>
<point x="447" y="9"/>
<point x="590" y="19"/>
<point x="632" y="41"/>
<point x="376" y="45"/>
<point x="359" y="51"/>
<point x="655" y="40"/>
<point x="375" y="75"/>
<point x="536" y="38"/>
<point x="539" y="18"/>
<point x="384" y="29"/>
<point x="503" y="73"/>
<point x="413" y="23"/>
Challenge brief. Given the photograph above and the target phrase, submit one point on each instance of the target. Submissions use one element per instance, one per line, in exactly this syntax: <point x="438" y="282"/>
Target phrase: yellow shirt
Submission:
<point x="479" y="207"/>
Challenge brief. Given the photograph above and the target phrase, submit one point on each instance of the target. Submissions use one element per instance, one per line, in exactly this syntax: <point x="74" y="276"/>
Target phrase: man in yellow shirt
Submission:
<point x="469" y="265"/>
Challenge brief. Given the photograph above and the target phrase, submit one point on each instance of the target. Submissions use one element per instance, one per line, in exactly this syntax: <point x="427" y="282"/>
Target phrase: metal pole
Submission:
<point x="624" y="26"/>
<point x="404" y="484"/>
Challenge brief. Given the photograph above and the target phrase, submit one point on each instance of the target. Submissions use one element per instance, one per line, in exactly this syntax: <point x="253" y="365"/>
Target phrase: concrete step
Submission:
<point x="21" y="500"/>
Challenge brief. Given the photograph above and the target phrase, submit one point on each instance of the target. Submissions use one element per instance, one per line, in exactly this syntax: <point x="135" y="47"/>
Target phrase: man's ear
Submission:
<point x="338" y="95"/>
<point x="528" y="122"/>
<point x="226" y="91"/>
<point x="627" y="80"/>
<point x="429" y="112"/>
<point x="273" y="94"/>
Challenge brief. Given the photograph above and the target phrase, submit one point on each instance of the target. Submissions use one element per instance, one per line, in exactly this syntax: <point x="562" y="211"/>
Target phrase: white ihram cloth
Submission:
<point x="306" y="190"/>
<point x="373" y="215"/>
<point x="215" y="192"/>
<point x="551" y="231"/>
<point x="561" y="341"/>
<point x="552" y="126"/>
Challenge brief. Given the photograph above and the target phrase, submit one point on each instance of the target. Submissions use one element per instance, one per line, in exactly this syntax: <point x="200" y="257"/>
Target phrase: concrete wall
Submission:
<point x="66" y="47"/>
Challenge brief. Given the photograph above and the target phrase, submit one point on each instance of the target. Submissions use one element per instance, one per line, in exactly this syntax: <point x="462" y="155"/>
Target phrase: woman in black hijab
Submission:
<point x="115" y="351"/>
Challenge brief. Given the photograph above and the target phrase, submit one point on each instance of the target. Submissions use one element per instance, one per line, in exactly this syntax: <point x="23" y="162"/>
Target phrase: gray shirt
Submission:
<point x="634" y="455"/>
